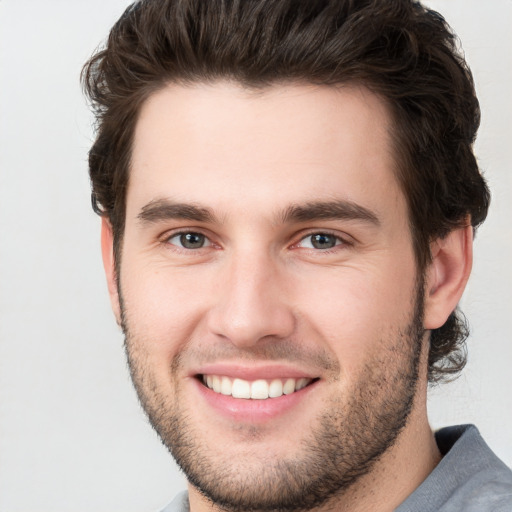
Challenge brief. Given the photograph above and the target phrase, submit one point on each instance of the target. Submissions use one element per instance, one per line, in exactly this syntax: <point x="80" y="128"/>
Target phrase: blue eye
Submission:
<point x="320" y="241"/>
<point x="189" y="240"/>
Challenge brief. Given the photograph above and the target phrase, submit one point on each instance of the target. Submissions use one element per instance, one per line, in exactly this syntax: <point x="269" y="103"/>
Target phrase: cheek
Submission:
<point x="354" y="310"/>
<point x="163" y="308"/>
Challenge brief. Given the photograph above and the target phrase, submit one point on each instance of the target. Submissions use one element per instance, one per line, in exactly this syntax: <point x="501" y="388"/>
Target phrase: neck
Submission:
<point x="396" y="474"/>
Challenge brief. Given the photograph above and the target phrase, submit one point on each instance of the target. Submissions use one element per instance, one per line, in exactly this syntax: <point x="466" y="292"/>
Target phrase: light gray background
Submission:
<point x="72" y="436"/>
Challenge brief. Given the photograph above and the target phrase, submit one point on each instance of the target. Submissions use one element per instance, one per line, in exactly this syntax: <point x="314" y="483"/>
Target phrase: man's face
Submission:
<point x="267" y="252"/>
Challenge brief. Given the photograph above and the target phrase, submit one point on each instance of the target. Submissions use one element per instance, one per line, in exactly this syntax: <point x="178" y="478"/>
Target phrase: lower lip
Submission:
<point x="251" y="410"/>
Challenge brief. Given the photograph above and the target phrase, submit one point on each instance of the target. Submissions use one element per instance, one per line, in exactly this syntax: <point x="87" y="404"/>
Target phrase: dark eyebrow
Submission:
<point x="328" y="210"/>
<point x="165" y="209"/>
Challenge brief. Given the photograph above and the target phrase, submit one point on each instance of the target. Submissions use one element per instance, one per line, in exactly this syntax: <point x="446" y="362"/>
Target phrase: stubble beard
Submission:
<point x="349" y="438"/>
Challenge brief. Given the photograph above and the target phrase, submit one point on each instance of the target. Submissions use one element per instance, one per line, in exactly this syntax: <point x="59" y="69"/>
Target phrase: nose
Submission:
<point x="251" y="302"/>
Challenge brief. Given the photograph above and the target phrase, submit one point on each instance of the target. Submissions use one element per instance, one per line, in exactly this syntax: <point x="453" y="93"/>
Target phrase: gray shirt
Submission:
<point x="469" y="478"/>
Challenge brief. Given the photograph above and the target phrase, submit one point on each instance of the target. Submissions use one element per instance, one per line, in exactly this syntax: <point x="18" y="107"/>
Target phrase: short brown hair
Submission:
<point x="398" y="49"/>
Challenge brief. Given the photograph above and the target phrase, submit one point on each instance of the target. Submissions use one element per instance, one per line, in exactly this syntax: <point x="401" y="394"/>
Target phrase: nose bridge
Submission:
<point x="251" y="302"/>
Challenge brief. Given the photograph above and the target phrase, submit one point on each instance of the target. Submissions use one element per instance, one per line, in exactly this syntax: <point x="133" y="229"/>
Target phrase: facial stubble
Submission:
<point x="349" y="437"/>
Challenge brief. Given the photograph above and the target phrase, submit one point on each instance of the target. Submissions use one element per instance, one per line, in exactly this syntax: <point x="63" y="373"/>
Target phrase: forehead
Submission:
<point x="225" y="146"/>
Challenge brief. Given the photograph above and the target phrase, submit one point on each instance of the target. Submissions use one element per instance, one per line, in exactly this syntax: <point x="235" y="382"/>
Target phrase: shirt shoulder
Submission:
<point x="178" y="504"/>
<point x="469" y="478"/>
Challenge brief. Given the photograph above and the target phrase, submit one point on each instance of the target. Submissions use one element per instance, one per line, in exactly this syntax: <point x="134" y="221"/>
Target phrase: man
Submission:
<point x="288" y="196"/>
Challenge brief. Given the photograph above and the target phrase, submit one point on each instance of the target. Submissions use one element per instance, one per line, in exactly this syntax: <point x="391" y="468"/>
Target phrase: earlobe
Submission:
<point x="107" y="252"/>
<point x="447" y="275"/>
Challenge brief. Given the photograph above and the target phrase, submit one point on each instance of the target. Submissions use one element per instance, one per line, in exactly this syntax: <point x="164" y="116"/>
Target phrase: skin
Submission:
<point x="259" y="295"/>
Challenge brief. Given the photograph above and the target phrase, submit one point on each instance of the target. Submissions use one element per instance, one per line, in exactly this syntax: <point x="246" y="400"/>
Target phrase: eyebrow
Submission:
<point x="328" y="210"/>
<point x="164" y="209"/>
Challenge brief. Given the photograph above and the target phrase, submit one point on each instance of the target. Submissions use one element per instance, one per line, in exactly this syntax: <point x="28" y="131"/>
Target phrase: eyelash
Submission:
<point x="169" y="236"/>
<point x="341" y="242"/>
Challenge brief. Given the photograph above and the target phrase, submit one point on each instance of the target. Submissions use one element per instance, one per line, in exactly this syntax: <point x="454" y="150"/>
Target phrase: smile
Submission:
<point x="260" y="389"/>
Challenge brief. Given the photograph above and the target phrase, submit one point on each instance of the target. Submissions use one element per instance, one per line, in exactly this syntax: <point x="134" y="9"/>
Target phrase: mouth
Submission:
<point x="260" y="389"/>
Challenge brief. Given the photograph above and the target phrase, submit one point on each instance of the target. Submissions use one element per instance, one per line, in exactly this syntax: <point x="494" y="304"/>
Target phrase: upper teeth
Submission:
<point x="258" y="389"/>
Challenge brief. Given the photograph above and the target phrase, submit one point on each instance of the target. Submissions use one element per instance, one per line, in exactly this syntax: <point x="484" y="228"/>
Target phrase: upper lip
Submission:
<point x="254" y="371"/>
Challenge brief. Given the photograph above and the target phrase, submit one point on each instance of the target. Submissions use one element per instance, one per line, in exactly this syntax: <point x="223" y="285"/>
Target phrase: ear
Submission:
<point x="447" y="275"/>
<point x="107" y="252"/>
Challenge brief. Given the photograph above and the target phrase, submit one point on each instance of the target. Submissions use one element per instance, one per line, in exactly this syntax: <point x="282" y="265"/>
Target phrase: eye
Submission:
<point x="189" y="240"/>
<point x="320" y="241"/>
